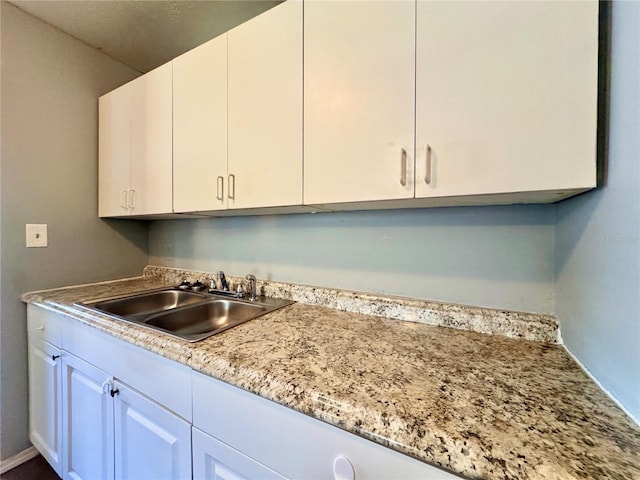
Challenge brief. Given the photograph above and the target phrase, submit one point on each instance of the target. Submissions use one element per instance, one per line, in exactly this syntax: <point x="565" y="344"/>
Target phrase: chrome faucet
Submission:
<point x="252" y="287"/>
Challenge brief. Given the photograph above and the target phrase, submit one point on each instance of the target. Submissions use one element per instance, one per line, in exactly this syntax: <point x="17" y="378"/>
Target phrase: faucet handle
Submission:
<point x="252" y="286"/>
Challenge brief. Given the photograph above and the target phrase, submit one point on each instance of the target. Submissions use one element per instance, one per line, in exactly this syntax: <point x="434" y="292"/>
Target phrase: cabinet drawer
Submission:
<point x="45" y="324"/>
<point x="293" y="444"/>
<point x="165" y="381"/>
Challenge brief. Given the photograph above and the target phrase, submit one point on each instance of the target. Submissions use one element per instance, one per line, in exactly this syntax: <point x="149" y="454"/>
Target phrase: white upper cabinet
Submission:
<point x="238" y="117"/>
<point x="114" y="152"/>
<point x="200" y="127"/>
<point x="362" y="104"/>
<point x="506" y="97"/>
<point x="135" y="158"/>
<point x="265" y="109"/>
<point x="358" y="100"/>
<point x="151" y="140"/>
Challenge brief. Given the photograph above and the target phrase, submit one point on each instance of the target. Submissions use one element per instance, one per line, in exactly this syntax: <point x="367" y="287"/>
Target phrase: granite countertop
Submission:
<point x="478" y="405"/>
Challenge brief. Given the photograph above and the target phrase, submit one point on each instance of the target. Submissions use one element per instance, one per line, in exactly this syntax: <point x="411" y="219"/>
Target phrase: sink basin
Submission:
<point x="144" y="304"/>
<point x="205" y="319"/>
<point x="191" y="316"/>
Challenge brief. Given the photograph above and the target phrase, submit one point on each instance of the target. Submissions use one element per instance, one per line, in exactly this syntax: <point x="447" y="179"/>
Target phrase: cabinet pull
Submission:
<point x="427" y="174"/>
<point x="403" y="167"/>
<point x="232" y="186"/>
<point x="123" y="200"/>
<point x="220" y="188"/>
<point x="343" y="469"/>
<point x="113" y="392"/>
<point x="132" y="199"/>
<point x="55" y="357"/>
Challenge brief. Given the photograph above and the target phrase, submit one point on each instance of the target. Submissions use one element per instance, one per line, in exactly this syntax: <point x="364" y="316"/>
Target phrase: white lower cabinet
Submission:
<point x="213" y="460"/>
<point x="45" y="423"/>
<point x="151" y="442"/>
<point x="111" y="431"/>
<point x="87" y="423"/>
<point x="88" y="420"/>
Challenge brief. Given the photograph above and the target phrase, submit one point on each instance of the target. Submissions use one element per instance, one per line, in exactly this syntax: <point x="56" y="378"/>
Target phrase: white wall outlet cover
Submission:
<point x="36" y="234"/>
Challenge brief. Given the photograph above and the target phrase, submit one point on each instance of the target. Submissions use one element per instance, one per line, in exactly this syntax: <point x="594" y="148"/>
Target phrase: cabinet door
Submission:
<point x="151" y="142"/>
<point x="150" y="441"/>
<point x="45" y="410"/>
<point x="88" y="421"/>
<point x="114" y="152"/>
<point x="200" y="127"/>
<point x="506" y="96"/>
<point x="358" y="100"/>
<point x="265" y="109"/>
<point x="213" y="460"/>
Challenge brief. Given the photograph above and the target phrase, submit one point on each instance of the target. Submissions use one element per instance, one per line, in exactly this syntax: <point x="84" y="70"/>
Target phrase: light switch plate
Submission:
<point x="36" y="234"/>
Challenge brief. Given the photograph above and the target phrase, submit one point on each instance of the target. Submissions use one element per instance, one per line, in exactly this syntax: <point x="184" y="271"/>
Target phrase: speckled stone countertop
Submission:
<point x="481" y="406"/>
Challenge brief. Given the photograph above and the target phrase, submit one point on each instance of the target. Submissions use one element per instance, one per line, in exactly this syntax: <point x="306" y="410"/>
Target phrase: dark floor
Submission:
<point x="35" y="469"/>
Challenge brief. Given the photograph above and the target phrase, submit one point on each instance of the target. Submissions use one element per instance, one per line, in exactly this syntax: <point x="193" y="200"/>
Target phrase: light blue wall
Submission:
<point x="597" y="261"/>
<point x="487" y="256"/>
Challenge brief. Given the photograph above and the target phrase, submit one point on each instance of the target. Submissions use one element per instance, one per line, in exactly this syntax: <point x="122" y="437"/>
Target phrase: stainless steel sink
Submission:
<point x="205" y="319"/>
<point x="190" y="316"/>
<point x="144" y="304"/>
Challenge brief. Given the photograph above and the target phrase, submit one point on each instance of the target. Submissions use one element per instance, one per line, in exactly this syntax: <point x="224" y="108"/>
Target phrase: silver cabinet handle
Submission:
<point x="131" y="199"/>
<point x="427" y="174"/>
<point x="123" y="200"/>
<point x="220" y="188"/>
<point x="232" y="186"/>
<point x="403" y="168"/>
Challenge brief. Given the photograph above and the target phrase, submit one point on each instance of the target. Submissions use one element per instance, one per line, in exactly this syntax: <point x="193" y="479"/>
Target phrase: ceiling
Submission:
<point x="144" y="33"/>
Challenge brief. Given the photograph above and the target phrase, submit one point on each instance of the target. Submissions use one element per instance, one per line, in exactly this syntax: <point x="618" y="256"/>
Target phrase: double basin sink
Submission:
<point x="191" y="316"/>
